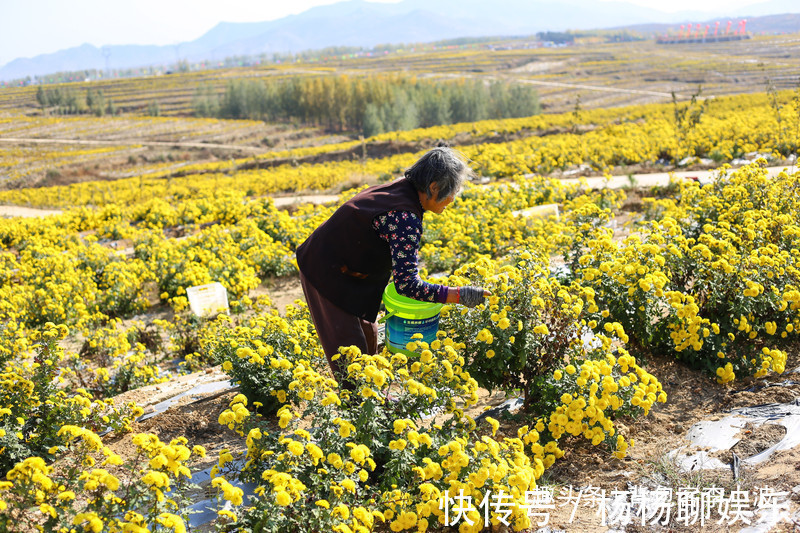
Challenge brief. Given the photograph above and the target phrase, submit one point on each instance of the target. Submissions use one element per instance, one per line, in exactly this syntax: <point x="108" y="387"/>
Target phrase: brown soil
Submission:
<point x="197" y="422"/>
<point x="282" y="291"/>
<point x="756" y="439"/>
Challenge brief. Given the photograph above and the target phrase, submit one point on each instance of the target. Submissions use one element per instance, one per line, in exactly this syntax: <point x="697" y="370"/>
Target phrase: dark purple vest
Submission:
<point x="345" y="260"/>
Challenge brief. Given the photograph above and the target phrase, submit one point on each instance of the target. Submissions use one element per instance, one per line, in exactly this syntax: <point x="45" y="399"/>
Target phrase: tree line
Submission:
<point x="69" y="101"/>
<point x="609" y="36"/>
<point x="368" y="105"/>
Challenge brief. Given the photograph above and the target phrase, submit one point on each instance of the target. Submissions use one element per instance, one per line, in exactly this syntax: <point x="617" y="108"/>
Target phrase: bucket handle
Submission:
<point x="386" y="317"/>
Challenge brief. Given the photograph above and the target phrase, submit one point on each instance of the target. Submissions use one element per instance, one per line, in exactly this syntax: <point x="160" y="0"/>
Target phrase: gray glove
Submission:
<point x="471" y="296"/>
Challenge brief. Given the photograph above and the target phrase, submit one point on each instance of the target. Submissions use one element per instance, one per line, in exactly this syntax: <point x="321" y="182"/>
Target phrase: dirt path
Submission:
<point x="11" y="211"/>
<point x="661" y="178"/>
<point x="283" y="201"/>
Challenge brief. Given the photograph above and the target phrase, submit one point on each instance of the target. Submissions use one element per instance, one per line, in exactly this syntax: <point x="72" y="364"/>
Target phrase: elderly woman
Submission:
<point x="347" y="261"/>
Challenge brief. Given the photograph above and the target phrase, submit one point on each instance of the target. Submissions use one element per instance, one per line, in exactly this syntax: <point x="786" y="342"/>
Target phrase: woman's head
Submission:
<point x="440" y="173"/>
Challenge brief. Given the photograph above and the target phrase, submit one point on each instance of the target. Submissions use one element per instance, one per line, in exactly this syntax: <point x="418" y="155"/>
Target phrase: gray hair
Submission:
<point x="441" y="165"/>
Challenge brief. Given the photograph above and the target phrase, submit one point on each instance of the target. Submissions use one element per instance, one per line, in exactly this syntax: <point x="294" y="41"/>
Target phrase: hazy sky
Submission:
<point x="32" y="27"/>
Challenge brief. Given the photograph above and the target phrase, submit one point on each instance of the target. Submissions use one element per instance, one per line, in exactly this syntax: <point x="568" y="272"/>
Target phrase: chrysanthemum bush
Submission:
<point x="71" y="282"/>
<point x="292" y="228"/>
<point x="586" y="218"/>
<point x="738" y="260"/>
<point x="376" y="454"/>
<point x="34" y="405"/>
<point x="591" y="392"/>
<point x="713" y="279"/>
<point x="480" y="221"/>
<point x="91" y="488"/>
<point x="541" y="337"/>
<point x="115" y="358"/>
<point x="53" y="405"/>
<point x="265" y="354"/>
<point x="629" y="282"/>
<point x="13" y="340"/>
<point x="505" y="336"/>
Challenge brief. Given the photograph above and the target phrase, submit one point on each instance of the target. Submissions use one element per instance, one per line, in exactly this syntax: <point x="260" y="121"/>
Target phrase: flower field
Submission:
<point x="601" y="332"/>
<point x="709" y="277"/>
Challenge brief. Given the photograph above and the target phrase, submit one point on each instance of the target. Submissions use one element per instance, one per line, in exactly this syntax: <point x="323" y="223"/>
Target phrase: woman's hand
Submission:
<point x="472" y="296"/>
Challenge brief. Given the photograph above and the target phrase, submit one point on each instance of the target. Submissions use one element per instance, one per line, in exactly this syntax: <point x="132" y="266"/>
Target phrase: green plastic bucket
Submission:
<point x="406" y="317"/>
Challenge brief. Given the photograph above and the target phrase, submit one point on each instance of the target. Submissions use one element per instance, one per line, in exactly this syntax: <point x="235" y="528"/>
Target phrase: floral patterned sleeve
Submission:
<point x="403" y="231"/>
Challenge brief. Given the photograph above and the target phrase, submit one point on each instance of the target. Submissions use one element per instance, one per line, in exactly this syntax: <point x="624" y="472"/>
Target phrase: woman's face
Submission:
<point x="437" y="206"/>
<point x="430" y="203"/>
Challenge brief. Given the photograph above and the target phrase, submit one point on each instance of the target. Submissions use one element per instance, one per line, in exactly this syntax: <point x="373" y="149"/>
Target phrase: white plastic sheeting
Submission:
<point x="206" y="511"/>
<point x="718" y="435"/>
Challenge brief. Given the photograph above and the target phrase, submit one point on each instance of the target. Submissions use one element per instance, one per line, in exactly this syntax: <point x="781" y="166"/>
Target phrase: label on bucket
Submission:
<point x="400" y="330"/>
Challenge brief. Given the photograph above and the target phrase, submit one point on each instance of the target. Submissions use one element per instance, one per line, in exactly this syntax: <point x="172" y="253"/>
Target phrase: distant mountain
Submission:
<point x="87" y="56"/>
<point x="366" y="24"/>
